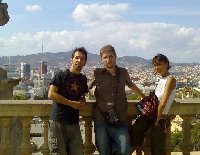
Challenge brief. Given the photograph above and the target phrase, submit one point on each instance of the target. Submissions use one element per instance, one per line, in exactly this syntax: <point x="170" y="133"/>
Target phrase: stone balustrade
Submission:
<point x="24" y="110"/>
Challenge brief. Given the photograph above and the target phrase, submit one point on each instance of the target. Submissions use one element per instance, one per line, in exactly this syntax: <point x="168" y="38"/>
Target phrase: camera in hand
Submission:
<point x="111" y="116"/>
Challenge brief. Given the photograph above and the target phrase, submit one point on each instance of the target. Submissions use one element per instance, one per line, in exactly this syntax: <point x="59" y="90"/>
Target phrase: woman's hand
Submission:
<point x="157" y="122"/>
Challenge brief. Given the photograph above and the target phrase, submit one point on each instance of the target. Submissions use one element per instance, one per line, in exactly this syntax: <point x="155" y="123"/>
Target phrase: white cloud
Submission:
<point x="33" y="8"/>
<point x="180" y="44"/>
<point x="94" y="14"/>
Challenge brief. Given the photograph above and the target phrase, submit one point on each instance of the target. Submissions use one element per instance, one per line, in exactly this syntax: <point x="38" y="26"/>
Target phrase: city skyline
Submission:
<point x="135" y="28"/>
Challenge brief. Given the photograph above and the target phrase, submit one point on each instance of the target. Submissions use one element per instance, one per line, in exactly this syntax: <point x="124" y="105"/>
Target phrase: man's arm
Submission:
<point x="91" y="83"/>
<point x="92" y="86"/>
<point x="53" y="95"/>
<point x="136" y="90"/>
<point x="132" y="86"/>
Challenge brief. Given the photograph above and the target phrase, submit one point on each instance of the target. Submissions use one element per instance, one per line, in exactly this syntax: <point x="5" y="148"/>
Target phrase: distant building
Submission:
<point x="25" y="71"/>
<point x="44" y="82"/>
<point x="43" y="68"/>
<point x="144" y="89"/>
<point x="12" y="72"/>
<point x="180" y="84"/>
<point x="41" y="86"/>
<point x="9" y="67"/>
<point x="35" y="73"/>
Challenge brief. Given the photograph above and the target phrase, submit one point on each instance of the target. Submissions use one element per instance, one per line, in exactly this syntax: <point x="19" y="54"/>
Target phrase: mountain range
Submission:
<point x="53" y="59"/>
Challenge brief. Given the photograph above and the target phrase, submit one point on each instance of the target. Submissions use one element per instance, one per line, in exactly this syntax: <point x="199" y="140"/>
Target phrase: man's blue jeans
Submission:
<point x="112" y="140"/>
<point x="65" y="139"/>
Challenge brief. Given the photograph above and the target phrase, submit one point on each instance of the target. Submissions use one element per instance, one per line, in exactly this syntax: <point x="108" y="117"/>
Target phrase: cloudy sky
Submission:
<point x="134" y="27"/>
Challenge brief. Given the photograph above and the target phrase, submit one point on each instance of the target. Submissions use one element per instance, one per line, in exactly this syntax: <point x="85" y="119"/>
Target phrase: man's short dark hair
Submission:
<point x="81" y="50"/>
<point x="107" y="48"/>
<point x="161" y="58"/>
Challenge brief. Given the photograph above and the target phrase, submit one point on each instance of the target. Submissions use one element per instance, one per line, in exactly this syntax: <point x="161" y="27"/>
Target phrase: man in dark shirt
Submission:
<point x="67" y="90"/>
<point x="110" y="109"/>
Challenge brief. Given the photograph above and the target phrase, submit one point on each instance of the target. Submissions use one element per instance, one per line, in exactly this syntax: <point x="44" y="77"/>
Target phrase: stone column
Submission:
<point x="45" y="148"/>
<point x="168" y="144"/>
<point x="4" y="17"/>
<point x="6" y="89"/>
<point x="6" y="93"/>
<point x="5" y="147"/>
<point x="89" y="147"/>
<point x="6" y="85"/>
<point x="26" y="148"/>
<point x="186" y="145"/>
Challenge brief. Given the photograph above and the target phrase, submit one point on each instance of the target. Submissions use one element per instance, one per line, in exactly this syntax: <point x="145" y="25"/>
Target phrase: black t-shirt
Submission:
<point x="72" y="87"/>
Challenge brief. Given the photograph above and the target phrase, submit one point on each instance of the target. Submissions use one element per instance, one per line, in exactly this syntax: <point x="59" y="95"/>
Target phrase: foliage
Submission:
<point x="133" y="97"/>
<point x="195" y="135"/>
<point x="39" y="98"/>
<point x="91" y="96"/>
<point x="19" y="97"/>
<point x="196" y="94"/>
<point x="178" y="96"/>
<point x="176" y="137"/>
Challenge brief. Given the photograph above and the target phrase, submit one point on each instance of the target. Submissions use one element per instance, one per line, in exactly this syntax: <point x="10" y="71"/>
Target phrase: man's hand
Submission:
<point x="76" y="104"/>
<point x="83" y="105"/>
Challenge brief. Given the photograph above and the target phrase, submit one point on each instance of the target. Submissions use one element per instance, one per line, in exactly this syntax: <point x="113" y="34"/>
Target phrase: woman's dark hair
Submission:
<point x="161" y="58"/>
<point x="80" y="49"/>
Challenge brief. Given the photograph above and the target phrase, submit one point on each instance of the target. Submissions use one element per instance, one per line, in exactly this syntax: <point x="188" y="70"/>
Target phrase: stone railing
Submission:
<point x="16" y="116"/>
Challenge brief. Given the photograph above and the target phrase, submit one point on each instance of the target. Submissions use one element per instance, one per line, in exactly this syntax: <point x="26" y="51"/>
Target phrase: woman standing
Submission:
<point x="165" y="91"/>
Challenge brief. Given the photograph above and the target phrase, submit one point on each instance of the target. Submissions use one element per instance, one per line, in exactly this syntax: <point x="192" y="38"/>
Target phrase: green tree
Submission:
<point x="176" y="137"/>
<point x="178" y="96"/>
<point x="38" y="97"/>
<point x="91" y="96"/>
<point x="19" y="97"/>
<point x="196" y="94"/>
<point x="195" y="135"/>
<point x="133" y="97"/>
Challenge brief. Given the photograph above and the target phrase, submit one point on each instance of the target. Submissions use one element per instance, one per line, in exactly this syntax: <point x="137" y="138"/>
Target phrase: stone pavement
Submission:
<point x="173" y="153"/>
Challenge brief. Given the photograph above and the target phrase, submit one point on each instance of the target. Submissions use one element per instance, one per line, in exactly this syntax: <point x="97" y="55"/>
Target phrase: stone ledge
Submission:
<point x="43" y="108"/>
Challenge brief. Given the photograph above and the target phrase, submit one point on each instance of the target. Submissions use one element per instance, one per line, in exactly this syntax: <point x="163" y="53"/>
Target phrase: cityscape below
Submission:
<point x="36" y="72"/>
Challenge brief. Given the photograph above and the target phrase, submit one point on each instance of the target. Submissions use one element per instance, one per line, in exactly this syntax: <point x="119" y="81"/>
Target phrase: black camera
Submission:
<point x="112" y="118"/>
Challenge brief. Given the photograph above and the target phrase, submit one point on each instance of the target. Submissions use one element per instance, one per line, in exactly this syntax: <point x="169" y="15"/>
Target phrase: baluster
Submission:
<point x="5" y="147"/>
<point x="89" y="147"/>
<point x="26" y="148"/>
<point x="186" y="145"/>
<point x="45" y="148"/>
<point x="168" y="144"/>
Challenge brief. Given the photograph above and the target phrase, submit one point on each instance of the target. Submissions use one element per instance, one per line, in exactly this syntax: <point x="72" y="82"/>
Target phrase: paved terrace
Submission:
<point x="14" y="111"/>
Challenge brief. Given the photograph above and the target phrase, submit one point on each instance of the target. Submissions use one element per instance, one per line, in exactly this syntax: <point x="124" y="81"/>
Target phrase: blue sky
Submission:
<point x="134" y="27"/>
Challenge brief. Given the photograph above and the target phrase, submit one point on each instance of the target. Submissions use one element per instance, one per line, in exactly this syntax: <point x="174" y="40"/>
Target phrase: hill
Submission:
<point x="54" y="59"/>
